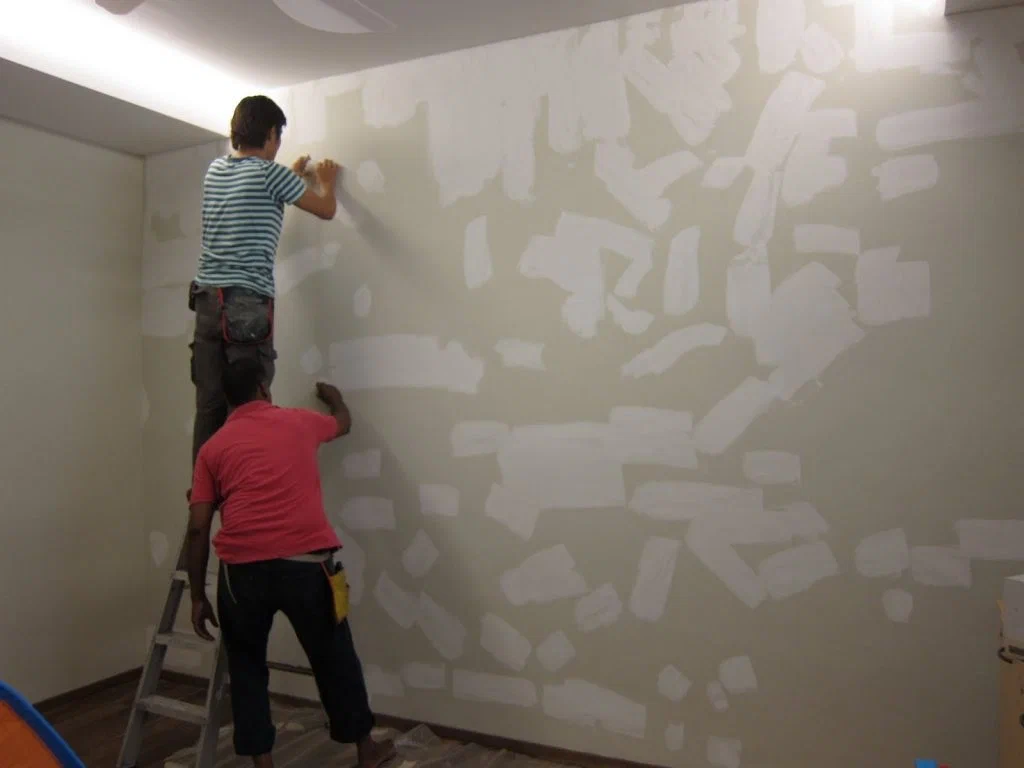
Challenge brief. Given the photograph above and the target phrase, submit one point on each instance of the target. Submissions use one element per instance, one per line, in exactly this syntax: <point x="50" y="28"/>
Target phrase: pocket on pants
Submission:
<point x="247" y="317"/>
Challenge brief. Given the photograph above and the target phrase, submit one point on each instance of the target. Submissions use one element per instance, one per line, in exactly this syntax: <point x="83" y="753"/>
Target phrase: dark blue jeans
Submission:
<point x="248" y="597"/>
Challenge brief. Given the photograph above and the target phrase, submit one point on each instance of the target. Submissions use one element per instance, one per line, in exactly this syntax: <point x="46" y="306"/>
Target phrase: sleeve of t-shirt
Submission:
<point x="319" y="426"/>
<point x="283" y="184"/>
<point x="204" y="486"/>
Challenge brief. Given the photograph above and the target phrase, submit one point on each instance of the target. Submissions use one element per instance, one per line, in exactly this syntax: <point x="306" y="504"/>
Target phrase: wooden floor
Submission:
<point x="94" y="722"/>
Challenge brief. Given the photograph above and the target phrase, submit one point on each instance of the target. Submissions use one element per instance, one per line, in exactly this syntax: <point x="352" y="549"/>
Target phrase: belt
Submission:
<point x="317" y="557"/>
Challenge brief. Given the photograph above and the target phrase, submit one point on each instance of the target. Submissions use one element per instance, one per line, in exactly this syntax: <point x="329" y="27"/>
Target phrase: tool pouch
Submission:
<point x="246" y="317"/>
<point x="339" y="589"/>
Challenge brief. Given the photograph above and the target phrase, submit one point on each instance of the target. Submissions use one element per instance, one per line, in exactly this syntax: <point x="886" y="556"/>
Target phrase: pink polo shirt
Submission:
<point x="262" y="467"/>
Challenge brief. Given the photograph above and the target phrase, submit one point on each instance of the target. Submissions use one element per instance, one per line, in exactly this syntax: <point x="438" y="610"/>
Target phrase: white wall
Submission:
<point x="853" y="170"/>
<point x="71" y="521"/>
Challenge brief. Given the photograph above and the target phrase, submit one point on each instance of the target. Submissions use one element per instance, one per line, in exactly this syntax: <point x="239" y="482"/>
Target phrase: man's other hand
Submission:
<point x="327" y="172"/>
<point x="328" y="394"/>
<point x="299" y="166"/>
<point x="202" y="612"/>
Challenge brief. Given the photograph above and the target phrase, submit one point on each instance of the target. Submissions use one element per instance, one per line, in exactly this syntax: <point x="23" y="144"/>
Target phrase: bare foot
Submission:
<point x="374" y="754"/>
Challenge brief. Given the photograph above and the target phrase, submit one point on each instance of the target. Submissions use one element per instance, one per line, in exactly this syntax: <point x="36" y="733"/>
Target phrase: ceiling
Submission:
<point x="282" y="42"/>
<point x="43" y="101"/>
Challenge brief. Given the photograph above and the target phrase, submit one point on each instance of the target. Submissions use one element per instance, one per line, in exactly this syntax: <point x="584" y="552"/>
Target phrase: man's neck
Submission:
<point x="260" y="153"/>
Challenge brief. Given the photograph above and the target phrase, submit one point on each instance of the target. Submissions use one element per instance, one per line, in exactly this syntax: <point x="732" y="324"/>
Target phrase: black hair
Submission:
<point x="242" y="380"/>
<point x="255" y="117"/>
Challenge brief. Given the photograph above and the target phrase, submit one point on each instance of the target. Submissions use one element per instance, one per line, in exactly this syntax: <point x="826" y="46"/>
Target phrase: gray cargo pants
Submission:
<point x="231" y="323"/>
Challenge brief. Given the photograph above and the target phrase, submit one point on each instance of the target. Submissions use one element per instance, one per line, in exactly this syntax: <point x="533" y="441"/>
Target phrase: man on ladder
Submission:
<point x="276" y="549"/>
<point x="244" y="195"/>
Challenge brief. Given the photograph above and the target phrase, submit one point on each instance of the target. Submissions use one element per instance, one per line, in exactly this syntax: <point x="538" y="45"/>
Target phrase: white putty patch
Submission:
<point x="353" y="558"/>
<point x="439" y="500"/>
<point x="493" y="689"/>
<point x="780" y="33"/>
<point x="682" y="273"/>
<point x="889" y="290"/>
<point x="362" y="301"/>
<point x="632" y="321"/>
<point x="675" y="737"/>
<point x="400" y="605"/>
<point x="572" y="259"/>
<point x="641" y="190"/>
<point x="158" y="547"/>
<point x="688" y="500"/>
<point x="504" y="642"/>
<point x="512" y="510"/>
<point x="940" y="567"/>
<point x="476" y="254"/>
<point x="639" y="435"/>
<point x="806" y="327"/>
<point x="717" y="697"/>
<point x="797" y="569"/>
<point x="586" y="704"/>
<point x="516" y="353"/>
<point x="311" y="361"/>
<point x="425" y="677"/>
<point x="443" y="629"/>
<point x="370" y="176"/>
<point x="544" y="577"/>
<point x="478" y="438"/>
<point x="382" y="683"/>
<point x="820" y="51"/>
<point x="723" y="172"/>
<point x="733" y="415"/>
<point x="368" y="513"/>
<point x="295" y="268"/>
<point x="882" y="554"/>
<point x="364" y="465"/>
<point x="601" y="608"/>
<point x="826" y="238"/>
<point x="555" y="651"/>
<point x="713" y="538"/>
<point x="673" y="684"/>
<point x="901" y="176"/>
<point x="737" y="675"/>
<point x="654" y="578"/>
<point x="669" y="350"/>
<point x="811" y="168"/>
<point x="420" y="556"/>
<point x="991" y="539"/>
<point x="404" y="361"/>
<point x="771" y="467"/>
<point x="898" y="605"/>
<point x="703" y="47"/>
<point x="724" y="753"/>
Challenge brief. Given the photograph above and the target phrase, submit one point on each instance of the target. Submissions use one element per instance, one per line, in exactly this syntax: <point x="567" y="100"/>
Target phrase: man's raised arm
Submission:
<point x="330" y="396"/>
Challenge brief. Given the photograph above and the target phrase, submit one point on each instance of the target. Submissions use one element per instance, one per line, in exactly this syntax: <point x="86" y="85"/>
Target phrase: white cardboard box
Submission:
<point x="1013" y="600"/>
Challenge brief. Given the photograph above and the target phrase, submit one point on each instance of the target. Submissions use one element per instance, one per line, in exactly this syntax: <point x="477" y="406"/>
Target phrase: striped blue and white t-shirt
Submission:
<point x="243" y="212"/>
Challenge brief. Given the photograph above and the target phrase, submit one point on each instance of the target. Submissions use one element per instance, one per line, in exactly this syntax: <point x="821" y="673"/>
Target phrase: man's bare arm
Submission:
<point x="199" y="522"/>
<point x="322" y="202"/>
<point x="331" y="397"/>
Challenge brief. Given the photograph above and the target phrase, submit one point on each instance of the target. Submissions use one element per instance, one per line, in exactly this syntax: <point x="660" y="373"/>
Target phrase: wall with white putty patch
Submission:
<point x="683" y="355"/>
<point x="73" y="526"/>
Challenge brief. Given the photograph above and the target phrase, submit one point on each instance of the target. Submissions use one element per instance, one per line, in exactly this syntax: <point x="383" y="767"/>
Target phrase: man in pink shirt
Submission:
<point x="276" y="549"/>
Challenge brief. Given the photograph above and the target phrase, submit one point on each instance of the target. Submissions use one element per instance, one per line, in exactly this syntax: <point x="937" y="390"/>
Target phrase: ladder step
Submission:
<point x="184" y="640"/>
<point x="173" y="708"/>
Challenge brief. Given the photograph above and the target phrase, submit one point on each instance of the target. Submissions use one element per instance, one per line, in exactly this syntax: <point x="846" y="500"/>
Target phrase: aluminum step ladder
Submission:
<point x="147" y="702"/>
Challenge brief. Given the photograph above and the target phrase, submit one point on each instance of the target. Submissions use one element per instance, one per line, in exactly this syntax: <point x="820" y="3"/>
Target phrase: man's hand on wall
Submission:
<point x="329" y="395"/>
